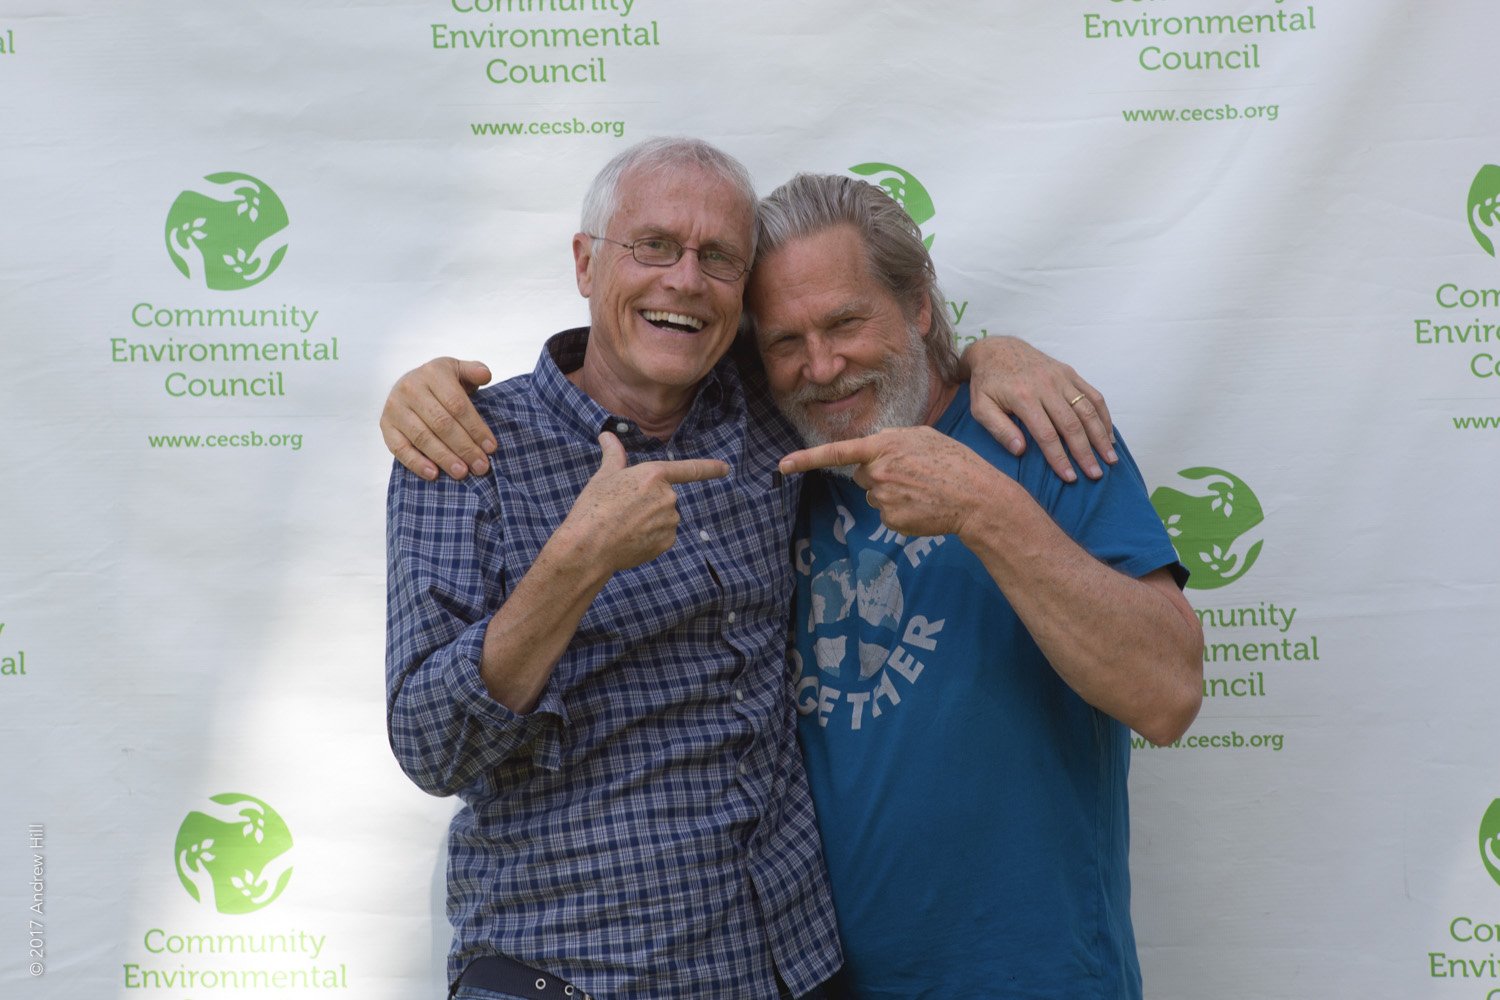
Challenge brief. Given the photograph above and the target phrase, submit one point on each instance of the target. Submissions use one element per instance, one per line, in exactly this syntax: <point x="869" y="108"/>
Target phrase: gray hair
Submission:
<point x="898" y="260"/>
<point x="663" y="152"/>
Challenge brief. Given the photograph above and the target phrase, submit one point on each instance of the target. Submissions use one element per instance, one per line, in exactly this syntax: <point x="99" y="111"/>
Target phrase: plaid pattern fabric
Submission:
<point x="646" y="831"/>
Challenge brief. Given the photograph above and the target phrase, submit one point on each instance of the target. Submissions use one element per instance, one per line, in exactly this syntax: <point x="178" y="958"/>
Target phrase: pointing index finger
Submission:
<point x="855" y="451"/>
<point x="693" y="470"/>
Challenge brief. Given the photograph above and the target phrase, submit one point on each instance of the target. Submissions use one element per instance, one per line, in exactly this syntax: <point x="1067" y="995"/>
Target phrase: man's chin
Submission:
<point x="814" y="434"/>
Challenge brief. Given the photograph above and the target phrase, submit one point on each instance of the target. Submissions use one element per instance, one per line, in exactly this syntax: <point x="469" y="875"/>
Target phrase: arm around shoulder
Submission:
<point x="429" y="422"/>
<point x="1065" y="415"/>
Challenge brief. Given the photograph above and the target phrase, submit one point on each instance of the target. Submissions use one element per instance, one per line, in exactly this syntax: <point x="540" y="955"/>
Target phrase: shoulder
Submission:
<point x="504" y="407"/>
<point x="520" y="419"/>
<point x="514" y="398"/>
<point x="1031" y="467"/>
<point x="958" y="423"/>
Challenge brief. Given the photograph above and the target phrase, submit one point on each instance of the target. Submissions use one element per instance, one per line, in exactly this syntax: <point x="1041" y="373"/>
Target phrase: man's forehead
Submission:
<point x="814" y="261"/>
<point x="668" y="198"/>
<point x="823" y="276"/>
<point x="841" y="246"/>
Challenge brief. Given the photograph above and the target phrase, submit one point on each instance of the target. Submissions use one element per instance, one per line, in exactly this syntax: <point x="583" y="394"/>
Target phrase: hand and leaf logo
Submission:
<point x="1484" y="207"/>
<point x="1489" y="840"/>
<point x="1211" y="526"/>
<point x="905" y="189"/>
<point x="229" y="232"/>
<point x="234" y="853"/>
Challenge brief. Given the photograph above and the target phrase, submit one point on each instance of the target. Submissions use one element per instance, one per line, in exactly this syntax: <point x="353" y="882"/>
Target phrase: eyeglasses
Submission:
<point x="661" y="251"/>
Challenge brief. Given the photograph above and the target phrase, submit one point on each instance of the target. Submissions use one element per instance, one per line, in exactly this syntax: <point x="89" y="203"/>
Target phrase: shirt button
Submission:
<point x="744" y="769"/>
<point x="703" y="535"/>
<point x="622" y="427"/>
<point x="729" y="617"/>
<point x="739" y="695"/>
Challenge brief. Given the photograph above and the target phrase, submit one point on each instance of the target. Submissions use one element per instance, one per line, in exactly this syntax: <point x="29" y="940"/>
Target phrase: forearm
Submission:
<point x="531" y="631"/>
<point x="1130" y="647"/>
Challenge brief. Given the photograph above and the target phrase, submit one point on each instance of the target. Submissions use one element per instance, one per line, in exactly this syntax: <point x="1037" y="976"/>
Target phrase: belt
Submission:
<point x="504" y="975"/>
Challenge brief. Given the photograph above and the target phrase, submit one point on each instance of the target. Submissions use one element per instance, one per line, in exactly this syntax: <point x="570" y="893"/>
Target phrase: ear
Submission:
<point x="583" y="256"/>
<point x="924" y="315"/>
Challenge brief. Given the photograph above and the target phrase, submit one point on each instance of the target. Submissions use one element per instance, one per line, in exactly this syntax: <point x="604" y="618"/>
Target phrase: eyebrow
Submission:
<point x="845" y="310"/>
<point x="854" y="307"/>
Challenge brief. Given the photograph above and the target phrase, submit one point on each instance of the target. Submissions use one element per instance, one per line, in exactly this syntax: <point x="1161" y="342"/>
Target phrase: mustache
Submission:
<point x="840" y="387"/>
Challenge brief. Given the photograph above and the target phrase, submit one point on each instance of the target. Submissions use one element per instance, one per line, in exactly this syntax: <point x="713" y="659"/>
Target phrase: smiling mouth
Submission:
<point x="836" y="394"/>
<point x="838" y="403"/>
<point x="676" y="322"/>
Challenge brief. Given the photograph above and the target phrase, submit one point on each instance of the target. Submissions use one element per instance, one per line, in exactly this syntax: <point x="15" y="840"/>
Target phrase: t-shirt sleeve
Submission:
<point x="1112" y="517"/>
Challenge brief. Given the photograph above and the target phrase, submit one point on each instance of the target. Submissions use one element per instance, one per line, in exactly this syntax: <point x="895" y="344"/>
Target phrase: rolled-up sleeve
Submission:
<point x="445" y="579"/>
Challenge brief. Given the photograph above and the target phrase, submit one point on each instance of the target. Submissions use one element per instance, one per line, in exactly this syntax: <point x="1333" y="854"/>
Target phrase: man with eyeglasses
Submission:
<point x="587" y="642"/>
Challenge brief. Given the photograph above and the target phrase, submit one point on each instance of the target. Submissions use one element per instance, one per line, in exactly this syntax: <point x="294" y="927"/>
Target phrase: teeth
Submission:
<point x="656" y="316"/>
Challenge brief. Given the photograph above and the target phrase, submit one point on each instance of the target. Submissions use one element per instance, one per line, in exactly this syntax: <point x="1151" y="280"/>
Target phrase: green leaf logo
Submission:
<point x="229" y="233"/>
<point x="234" y="853"/>
<point x="1489" y="840"/>
<point x="905" y="189"/>
<point x="1211" y="527"/>
<point x="1483" y="195"/>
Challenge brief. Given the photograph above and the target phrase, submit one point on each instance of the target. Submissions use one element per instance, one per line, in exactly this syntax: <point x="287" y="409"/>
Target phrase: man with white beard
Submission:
<point x="974" y="638"/>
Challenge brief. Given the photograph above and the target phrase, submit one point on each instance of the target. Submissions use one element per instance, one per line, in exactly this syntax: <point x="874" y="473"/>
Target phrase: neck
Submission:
<point x="939" y="395"/>
<point x="657" y="410"/>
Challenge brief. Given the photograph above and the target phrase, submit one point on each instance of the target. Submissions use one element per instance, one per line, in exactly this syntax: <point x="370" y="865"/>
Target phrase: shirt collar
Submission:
<point x="718" y="398"/>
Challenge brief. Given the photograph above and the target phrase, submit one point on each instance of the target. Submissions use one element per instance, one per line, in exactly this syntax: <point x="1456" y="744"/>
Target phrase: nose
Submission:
<point x="823" y="363"/>
<point x="686" y="274"/>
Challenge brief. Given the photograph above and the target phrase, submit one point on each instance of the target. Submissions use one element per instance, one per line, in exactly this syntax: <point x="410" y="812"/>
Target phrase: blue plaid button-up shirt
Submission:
<point x="646" y="830"/>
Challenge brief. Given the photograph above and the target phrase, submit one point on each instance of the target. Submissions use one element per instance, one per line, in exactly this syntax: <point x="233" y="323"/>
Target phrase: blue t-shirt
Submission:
<point x="972" y="806"/>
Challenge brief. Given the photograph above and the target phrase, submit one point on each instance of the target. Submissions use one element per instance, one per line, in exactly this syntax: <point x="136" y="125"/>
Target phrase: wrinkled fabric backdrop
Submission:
<point x="1266" y="230"/>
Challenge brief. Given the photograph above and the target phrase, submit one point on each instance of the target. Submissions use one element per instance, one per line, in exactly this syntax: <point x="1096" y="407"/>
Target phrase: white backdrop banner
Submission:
<point x="1267" y="230"/>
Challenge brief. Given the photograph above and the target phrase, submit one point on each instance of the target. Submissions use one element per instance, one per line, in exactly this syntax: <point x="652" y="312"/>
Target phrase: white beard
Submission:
<point x="902" y="386"/>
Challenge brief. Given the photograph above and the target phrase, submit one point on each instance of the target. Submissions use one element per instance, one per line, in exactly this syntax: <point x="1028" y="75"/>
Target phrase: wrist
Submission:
<point x="986" y="521"/>
<point x="579" y="553"/>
